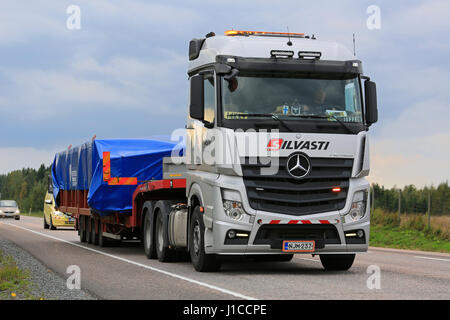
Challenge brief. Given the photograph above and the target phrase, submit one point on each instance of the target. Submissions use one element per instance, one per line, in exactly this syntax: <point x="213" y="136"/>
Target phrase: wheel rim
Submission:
<point x="196" y="238"/>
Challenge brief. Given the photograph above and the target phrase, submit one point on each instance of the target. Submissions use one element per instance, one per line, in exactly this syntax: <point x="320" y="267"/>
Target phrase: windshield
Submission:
<point x="310" y="98"/>
<point x="8" y="203"/>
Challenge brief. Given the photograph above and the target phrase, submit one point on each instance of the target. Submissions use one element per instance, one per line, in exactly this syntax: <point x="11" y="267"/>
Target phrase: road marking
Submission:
<point x="200" y="283"/>
<point x="447" y="260"/>
<point x="309" y="259"/>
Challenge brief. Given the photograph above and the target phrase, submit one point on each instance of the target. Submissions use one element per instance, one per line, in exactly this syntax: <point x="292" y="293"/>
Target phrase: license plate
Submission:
<point x="299" y="246"/>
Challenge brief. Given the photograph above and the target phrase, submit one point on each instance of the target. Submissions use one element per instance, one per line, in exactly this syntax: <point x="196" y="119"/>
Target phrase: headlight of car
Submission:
<point x="358" y="208"/>
<point x="1" y="211"/>
<point x="17" y="211"/>
<point x="58" y="213"/>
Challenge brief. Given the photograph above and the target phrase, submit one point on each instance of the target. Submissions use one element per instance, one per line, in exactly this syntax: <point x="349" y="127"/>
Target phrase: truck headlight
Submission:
<point x="233" y="209"/>
<point x="358" y="208"/>
<point x="17" y="211"/>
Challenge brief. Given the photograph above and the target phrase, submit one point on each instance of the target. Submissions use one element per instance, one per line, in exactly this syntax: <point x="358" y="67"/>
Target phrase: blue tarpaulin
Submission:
<point x="81" y="168"/>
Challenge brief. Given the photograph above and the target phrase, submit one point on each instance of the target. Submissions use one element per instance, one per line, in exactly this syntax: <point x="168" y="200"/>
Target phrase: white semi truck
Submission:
<point x="277" y="151"/>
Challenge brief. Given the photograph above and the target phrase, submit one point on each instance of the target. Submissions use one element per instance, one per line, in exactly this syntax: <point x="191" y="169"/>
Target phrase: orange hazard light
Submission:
<point x="263" y="33"/>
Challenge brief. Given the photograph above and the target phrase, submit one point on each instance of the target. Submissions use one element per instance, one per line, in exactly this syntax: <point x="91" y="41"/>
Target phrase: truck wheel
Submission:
<point x="52" y="227"/>
<point x="201" y="261"/>
<point x="88" y="230"/>
<point x="82" y="227"/>
<point x="94" y="233"/>
<point x="45" y="224"/>
<point x="163" y="253"/>
<point x="149" y="240"/>
<point x="102" y="241"/>
<point x="337" y="262"/>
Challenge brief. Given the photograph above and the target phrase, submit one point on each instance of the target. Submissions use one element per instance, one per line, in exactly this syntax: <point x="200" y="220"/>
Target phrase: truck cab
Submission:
<point x="277" y="147"/>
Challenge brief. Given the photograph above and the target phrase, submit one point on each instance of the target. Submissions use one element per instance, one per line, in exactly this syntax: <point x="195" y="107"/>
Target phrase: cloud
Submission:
<point x="419" y="161"/>
<point x="18" y="158"/>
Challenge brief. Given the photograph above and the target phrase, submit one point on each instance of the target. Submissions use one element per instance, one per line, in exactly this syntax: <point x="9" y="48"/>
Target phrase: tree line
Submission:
<point x="27" y="186"/>
<point x="413" y="199"/>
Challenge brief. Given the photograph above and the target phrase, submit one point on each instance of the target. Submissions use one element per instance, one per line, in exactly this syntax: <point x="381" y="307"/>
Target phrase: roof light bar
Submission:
<point x="281" y="54"/>
<point x="263" y="33"/>
<point x="309" y="55"/>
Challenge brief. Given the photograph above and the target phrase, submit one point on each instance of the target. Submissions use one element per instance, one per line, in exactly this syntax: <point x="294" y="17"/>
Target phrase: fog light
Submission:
<point x="231" y="234"/>
<point x="360" y="233"/>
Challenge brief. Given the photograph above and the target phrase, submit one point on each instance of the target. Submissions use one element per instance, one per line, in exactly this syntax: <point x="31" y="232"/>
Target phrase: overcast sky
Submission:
<point x="123" y="74"/>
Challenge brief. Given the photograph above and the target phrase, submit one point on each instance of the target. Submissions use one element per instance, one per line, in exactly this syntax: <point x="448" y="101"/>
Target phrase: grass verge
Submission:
<point x="412" y="232"/>
<point x="14" y="282"/>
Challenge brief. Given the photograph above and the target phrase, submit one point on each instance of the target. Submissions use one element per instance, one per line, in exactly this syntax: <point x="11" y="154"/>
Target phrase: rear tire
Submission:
<point x="94" y="232"/>
<point x="201" y="261"/>
<point x="102" y="241"/>
<point x="82" y="227"/>
<point x="88" y="230"/>
<point x="163" y="253"/>
<point x="149" y="239"/>
<point x="337" y="262"/>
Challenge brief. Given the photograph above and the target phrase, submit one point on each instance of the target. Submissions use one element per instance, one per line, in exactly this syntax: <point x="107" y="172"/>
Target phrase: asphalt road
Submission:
<point x="125" y="273"/>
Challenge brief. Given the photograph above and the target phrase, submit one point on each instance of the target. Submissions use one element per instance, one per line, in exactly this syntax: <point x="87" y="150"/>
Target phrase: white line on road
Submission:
<point x="447" y="260"/>
<point x="200" y="283"/>
<point x="309" y="259"/>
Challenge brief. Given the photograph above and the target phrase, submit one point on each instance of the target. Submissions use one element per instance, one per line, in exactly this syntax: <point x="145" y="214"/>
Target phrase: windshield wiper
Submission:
<point x="267" y="115"/>
<point x="328" y="117"/>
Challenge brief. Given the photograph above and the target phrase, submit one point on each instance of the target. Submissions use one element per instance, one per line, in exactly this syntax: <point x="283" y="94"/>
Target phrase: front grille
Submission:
<point x="282" y="193"/>
<point x="270" y="234"/>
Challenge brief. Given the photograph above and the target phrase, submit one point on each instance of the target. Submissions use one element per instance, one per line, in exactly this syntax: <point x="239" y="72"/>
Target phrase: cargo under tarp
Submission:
<point x="81" y="168"/>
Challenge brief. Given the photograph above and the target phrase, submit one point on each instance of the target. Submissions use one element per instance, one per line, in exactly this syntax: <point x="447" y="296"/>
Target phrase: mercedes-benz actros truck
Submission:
<point x="274" y="160"/>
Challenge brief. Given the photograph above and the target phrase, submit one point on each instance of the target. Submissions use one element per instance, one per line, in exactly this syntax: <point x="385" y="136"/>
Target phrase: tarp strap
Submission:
<point x="114" y="181"/>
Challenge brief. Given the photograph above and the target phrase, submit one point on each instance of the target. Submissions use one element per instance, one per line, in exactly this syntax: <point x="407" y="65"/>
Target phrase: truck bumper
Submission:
<point x="223" y="245"/>
<point x="266" y="230"/>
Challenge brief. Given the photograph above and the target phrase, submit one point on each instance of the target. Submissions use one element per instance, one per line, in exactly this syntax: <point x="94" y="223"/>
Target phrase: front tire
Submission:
<point x="337" y="262"/>
<point x="52" y="227"/>
<point x="46" y="226"/>
<point x="201" y="261"/>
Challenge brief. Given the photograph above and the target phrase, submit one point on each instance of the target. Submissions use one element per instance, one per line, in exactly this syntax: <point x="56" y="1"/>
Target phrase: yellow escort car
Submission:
<point x="54" y="218"/>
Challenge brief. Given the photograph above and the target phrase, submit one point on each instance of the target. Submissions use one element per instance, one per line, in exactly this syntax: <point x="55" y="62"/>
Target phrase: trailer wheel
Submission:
<point x="201" y="261"/>
<point x="149" y="239"/>
<point x="337" y="262"/>
<point x="94" y="232"/>
<point x="102" y="241"/>
<point x="82" y="227"/>
<point x="163" y="253"/>
<point x="88" y="230"/>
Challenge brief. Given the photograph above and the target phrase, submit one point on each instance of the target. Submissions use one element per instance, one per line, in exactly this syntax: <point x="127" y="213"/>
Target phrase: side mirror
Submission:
<point x="196" y="107"/>
<point x="370" y="89"/>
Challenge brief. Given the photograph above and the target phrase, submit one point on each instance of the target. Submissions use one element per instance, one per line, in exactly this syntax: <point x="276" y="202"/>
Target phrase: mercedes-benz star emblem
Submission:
<point x="298" y="165"/>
